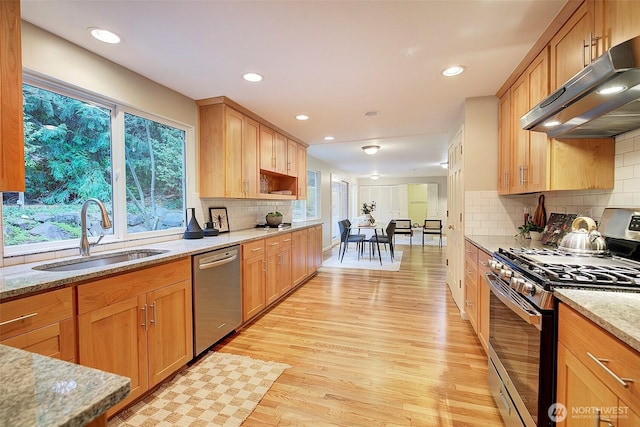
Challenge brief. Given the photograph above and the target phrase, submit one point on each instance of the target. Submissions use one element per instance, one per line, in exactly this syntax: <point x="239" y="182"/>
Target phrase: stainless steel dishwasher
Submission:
<point x="217" y="304"/>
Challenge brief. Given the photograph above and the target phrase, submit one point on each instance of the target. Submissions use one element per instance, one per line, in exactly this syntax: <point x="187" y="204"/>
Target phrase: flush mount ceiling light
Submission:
<point x="444" y="165"/>
<point x="371" y="113"/>
<point x="453" y="71"/>
<point x="371" y="149"/>
<point x="329" y="138"/>
<point x="302" y="117"/>
<point x="253" y="77"/>
<point x="611" y="90"/>
<point x="105" y="36"/>
<point x="375" y="176"/>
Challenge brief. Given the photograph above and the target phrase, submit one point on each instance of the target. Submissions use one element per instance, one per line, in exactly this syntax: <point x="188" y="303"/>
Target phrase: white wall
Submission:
<point x="490" y="214"/>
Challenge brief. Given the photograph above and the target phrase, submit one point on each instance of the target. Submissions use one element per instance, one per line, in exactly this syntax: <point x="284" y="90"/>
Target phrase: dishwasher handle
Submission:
<point x="217" y="263"/>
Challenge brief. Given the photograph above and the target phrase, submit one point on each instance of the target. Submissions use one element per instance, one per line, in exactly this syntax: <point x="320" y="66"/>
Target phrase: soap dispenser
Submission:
<point x="193" y="230"/>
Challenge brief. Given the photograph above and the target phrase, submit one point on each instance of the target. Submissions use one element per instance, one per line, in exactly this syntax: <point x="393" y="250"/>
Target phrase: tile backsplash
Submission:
<point x="489" y="214"/>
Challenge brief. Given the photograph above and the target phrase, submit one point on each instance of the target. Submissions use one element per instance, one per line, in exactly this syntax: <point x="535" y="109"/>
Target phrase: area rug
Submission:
<point x="351" y="261"/>
<point x="221" y="389"/>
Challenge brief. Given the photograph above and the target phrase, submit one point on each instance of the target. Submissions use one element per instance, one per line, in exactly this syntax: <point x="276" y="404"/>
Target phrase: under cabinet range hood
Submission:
<point x="602" y="100"/>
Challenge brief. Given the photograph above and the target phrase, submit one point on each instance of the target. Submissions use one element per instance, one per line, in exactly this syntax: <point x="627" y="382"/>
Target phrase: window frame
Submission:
<point x="118" y="171"/>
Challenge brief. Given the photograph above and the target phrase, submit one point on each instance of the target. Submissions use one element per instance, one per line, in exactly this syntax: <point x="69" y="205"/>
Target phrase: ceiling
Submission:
<point x="331" y="60"/>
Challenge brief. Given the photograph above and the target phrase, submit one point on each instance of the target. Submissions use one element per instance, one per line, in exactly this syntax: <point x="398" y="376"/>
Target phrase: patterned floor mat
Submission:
<point x="219" y="390"/>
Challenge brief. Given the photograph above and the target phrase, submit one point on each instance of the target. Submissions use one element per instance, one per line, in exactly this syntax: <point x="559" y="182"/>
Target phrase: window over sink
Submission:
<point x="79" y="146"/>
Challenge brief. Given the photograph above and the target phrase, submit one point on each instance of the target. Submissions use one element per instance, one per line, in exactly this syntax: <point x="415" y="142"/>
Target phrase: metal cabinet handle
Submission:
<point x="599" y="420"/>
<point x="525" y="175"/>
<point x="275" y="243"/>
<point x="264" y="265"/>
<point x="601" y="362"/>
<point x="144" y="316"/>
<point x="17" y="319"/>
<point x="153" y="317"/>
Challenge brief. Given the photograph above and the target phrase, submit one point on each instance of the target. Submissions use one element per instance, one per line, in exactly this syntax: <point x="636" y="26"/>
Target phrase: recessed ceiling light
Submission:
<point x="371" y="113"/>
<point x="253" y="77"/>
<point x="371" y="149"/>
<point x="375" y="176"/>
<point x="551" y="123"/>
<point x="105" y="35"/>
<point x="612" y="90"/>
<point x="329" y="138"/>
<point x="302" y="117"/>
<point x="453" y="71"/>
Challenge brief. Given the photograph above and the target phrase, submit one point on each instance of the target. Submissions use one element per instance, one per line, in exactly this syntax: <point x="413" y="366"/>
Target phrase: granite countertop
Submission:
<point x="616" y="312"/>
<point x="22" y="280"/>
<point x="42" y="391"/>
<point x="491" y="244"/>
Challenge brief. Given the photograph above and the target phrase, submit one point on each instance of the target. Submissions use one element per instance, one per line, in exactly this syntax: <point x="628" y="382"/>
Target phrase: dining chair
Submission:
<point x="346" y="237"/>
<point x="403" y="226"/>
<point x="434" y="227"/>
<point x="386" y="238"/>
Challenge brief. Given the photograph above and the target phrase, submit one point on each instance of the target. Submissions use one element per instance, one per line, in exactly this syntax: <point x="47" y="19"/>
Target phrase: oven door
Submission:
<point x="515" y="332"/>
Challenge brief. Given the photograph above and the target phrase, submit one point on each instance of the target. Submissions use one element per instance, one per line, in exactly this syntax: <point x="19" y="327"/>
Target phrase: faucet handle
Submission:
<point x="97" y="241"/>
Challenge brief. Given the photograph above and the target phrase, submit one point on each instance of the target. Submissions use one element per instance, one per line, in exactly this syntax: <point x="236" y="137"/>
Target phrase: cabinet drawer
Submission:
<point x="251" y="249"/>
<point x="587" y="341"/>
<point x="483" y="261"/>
<point x="55" y="340"/>
<point x="272" y="244"/>
<point x="470" y="251"/>
<point x="285" y="239"/>
<point x="470" y="271"/>
<point x="121" y="287"/>
<point x="26" y="314"/>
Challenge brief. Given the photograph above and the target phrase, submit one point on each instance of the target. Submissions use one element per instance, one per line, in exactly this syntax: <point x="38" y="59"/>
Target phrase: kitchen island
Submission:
<point x="43" y="391"/>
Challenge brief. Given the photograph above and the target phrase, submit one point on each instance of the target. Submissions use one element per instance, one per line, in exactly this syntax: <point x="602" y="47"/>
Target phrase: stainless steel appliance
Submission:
<point x="217" y="303"/>
<point x="523" y="318"/>
<point x="602" y="100"/>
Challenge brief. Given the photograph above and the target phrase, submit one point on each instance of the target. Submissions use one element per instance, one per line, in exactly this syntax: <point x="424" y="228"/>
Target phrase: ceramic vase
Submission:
<point x="193" y="230"/>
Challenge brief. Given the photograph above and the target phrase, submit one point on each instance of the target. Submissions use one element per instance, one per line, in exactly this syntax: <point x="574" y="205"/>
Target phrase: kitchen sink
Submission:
<point x="99" y="260"/>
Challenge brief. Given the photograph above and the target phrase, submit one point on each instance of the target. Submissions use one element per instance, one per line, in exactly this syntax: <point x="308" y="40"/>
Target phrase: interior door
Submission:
<point x="339" y="206"/>
<point x="455" y="231"/>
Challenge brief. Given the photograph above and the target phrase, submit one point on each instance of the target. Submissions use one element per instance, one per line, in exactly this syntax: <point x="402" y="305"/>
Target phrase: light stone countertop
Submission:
<point x="491" y="244"/>
<point x="41" y="391"/>
<point x="616" y="312"/>
<point x="22" y="280"/>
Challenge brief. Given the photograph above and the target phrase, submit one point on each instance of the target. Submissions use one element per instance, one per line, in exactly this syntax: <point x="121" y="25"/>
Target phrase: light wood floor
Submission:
<point x="371" y="348"/>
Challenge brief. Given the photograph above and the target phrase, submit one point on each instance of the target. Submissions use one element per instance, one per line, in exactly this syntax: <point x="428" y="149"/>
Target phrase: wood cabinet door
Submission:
<point x="56" y="340"/>
<point x="483" y="299"/>
<point x="250" y="155"/>
<point x="11" y="123"/>
<point x="284" y="270"/>
<point x="253" y="286"/>
<point x="519" y="136"/>
<point x="621" y="22"/>
<point x="280" y="154"/>
<point x="234" y="173"/>
<point x="298" y="256"/>
<point x="628" y="418"/>
<point x="267" y="148"/>
<point x="170" y="330"/>
<point x="272" y="287"/>
<point x="504" y="143"/>
<point x="318" y="261"/>
<point x="302" y="172"/>
<point x="311" y="251"/>
<point x="579" y="390"/>
<point x="292" y="158"/>
<point x="538" y="142"/>
<point x="568" y="52"/>
<point x="114" y="339"/>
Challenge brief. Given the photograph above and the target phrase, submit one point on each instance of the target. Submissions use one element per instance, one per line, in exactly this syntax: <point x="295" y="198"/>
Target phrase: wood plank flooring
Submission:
<point x="371" y="348"/>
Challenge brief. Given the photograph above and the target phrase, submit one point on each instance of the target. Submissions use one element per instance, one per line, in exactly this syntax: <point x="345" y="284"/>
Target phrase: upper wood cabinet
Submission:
<point x="504" y="143"/>
<point x="273" y="151"/>
<point x="292" y="158"/>
<point x="616" y="22"/>
<point x="11" y="125"/>
<point x="574" y="46"/>
<point x="228" y="153"/>
<point x="302" y="172"/>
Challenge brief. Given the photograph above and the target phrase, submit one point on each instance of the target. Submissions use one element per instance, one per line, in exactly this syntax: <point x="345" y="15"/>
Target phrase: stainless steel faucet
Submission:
<point x="85" y="246"/>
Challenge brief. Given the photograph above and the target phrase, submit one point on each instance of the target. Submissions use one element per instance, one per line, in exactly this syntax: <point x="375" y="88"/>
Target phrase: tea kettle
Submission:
<point x="584" y="238"/>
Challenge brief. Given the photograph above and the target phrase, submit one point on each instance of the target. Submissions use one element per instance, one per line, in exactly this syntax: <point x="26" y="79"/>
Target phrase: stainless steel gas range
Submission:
<point x="523" y="319"/>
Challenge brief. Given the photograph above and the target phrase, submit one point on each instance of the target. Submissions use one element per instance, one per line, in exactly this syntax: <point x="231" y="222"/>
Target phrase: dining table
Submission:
<point x="375" y="227"/>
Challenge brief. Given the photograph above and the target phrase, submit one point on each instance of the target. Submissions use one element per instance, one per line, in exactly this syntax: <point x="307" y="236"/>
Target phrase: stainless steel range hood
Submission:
<point x="582" y="109"/>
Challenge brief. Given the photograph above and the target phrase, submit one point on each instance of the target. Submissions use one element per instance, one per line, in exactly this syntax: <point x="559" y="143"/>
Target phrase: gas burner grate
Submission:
<point x="611" y="275"/>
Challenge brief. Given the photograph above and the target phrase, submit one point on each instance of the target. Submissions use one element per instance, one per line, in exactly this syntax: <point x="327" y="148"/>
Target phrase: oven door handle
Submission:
<point x="515" y="306"/>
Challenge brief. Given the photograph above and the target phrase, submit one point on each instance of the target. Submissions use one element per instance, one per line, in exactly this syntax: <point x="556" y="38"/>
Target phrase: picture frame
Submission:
<point x="220" y="219"/>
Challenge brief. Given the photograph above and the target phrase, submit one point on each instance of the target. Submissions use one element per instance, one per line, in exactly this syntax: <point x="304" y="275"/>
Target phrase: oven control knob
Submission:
<point x="505" y="274"/>
<point x="528" y="288"/>
<point x="516" y="283"/>
<point x="495" y="265"/>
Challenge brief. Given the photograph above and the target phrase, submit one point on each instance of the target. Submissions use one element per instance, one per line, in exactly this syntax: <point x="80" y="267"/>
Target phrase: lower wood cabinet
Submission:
<point x="299" y="256"/>
<point x="477" y="291"/>
<point x="278" y="267"/>
<point x="589" y="360"/>
<point x="137" y="324"/>
<point x="41" y="324"/>
<point x="314" y="249"/>
<point x="253" y="279"/>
